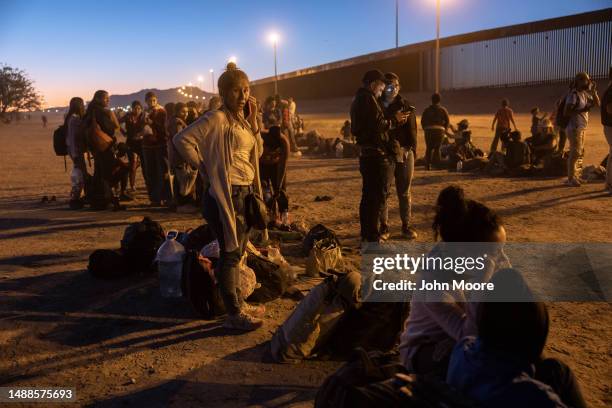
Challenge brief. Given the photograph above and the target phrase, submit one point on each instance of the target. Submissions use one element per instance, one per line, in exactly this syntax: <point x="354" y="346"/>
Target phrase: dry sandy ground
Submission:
<point x="119" y="344"/>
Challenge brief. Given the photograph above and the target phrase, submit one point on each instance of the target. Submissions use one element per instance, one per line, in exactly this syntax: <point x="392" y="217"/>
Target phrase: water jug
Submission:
<point x="170" y="256"/>
<point x="339" y="150"/>
<point x="460" y="166"/>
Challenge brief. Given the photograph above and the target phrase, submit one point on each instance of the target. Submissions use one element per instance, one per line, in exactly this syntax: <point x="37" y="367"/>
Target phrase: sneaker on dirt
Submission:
<point x="243" y="322"/>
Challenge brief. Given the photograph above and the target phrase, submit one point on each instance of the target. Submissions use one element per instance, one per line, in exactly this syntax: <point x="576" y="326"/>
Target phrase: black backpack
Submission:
<point x="140" y="243"/>
<point x="561" y="119"/>
<point x="107" y="264"/>
<point x="200" y="289"/>
<point x="59" y="141"/>
<point x="274" y="280"/>
<point x="317" y="233"/>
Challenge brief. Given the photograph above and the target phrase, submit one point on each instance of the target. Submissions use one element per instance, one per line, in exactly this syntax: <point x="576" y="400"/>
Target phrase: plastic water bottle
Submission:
<point x="460" y="165"/>
<point x="170" y="256"/>
<point x="339" y="150"/>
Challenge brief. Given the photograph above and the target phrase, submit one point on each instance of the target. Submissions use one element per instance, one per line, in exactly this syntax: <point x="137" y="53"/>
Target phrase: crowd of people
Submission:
<point x="384" y="127"/>
<point x="235" y="153"/>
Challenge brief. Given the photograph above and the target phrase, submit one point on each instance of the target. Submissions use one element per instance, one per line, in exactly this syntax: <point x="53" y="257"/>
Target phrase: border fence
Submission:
<point x="540" y="52"/>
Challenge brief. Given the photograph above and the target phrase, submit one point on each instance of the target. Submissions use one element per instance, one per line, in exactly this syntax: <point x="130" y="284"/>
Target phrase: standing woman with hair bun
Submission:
<point x="225" y="145"/>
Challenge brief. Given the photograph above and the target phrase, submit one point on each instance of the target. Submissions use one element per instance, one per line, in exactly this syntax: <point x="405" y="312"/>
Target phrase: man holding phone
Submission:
<point x="406" y="136"/>
<point x="582" y="97"/>
<point x="376" y="162"/>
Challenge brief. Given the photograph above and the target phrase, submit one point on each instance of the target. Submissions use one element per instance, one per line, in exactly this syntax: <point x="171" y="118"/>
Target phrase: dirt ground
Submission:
<point x="120" y="344"/>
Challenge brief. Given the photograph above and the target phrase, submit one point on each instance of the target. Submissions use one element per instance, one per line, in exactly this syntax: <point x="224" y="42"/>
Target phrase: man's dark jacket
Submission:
<point x="405" y="134"/>
<point x="368" y="122"/>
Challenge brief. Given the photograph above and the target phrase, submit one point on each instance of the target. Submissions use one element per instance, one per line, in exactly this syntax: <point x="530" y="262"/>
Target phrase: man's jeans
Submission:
<point x="228" y="269"/>
<point x="576" y="152"/>
<point x="403" y="181"/>
<point x="608" y="134"/>
<point x="155" y="169"/>
<point x="433" y="140"/>
<point x="376" y="173"/>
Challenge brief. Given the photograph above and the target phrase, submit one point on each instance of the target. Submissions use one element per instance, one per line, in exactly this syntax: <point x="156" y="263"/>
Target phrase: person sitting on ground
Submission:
<point x="535" y="120"/>
<point x="465" y="152"/>
<point x="503" y="118"/>
<point x="542" y="143"/>
<point x="503" y="366"/>
<point x="435" y="325"/>
<point x="273" y="173"/>
<point x="517" y="152"/>
<point x="435" y="122"/>
<point x="224" y="146"/>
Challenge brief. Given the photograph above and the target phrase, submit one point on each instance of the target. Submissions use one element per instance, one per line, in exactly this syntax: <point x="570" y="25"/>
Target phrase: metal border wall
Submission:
<point x="538" y="52"/>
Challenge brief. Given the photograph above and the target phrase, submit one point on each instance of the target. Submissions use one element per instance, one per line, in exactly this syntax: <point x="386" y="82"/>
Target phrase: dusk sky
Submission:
<point x="72" y="48"/>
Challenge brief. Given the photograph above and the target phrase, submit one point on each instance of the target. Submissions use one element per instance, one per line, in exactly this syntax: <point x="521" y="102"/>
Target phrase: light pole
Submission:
<point x="396" y="23"/>
<point x="274" y="40"/>
<point x="212" y="76"/>
<point x="437" y="66"/>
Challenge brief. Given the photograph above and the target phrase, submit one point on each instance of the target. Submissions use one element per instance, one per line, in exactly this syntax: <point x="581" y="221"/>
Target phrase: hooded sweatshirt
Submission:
<point x="497" y="379"/>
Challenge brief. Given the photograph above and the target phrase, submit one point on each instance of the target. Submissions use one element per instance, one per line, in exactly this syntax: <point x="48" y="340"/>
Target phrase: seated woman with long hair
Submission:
<point x="434" y="326"/>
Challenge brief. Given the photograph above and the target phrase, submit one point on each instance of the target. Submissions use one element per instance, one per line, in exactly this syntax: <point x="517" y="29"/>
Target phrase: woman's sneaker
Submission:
<point x="573" y="182"/>
<point x="242" y="321"/>
<point x="253" y="310"/>
<point x="409" y="233"/>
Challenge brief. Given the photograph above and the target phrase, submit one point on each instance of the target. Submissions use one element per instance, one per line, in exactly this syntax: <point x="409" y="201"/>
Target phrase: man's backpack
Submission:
<point x="561" y="119"/>
<point x="59" y="141"/>
<point x="140" y="243"/>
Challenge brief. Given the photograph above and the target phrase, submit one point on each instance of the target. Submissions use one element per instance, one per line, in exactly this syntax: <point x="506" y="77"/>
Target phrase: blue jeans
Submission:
<point x="228" y="270"/>
<point x="155" y="170"/>
<point x="403" y="181"/>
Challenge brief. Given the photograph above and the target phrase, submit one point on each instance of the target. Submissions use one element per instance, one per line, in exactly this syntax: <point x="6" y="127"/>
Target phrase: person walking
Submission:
<point x="435" y="122"/>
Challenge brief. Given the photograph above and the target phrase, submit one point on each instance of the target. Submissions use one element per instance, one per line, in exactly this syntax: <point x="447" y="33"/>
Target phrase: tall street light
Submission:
<point x="437" y="67"/>
<point x="396" y="23"/>
<point x="212" y="76"/>
<point x="274" y="40"/>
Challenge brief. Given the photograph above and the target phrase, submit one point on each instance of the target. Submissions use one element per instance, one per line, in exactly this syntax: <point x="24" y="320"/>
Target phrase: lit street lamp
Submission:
<point x="233" y="59"/>
<point x="437" y="46"/>
<point x="274" y="40"/>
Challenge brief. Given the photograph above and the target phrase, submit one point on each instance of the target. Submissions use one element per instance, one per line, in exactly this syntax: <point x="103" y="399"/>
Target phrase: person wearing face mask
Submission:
<point x="406" y="136"/>
<point x="376" y="162"/>
<point x="581" y="98"/>
<point x="225" y="145"/>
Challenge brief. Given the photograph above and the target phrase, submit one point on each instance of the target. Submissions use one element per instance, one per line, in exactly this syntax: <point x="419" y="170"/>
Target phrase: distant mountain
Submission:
<point x="163" y="96"/>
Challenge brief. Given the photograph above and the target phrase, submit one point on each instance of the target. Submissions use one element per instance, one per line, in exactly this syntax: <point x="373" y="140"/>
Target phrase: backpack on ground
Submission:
<point x="200" y="289"/>
<point x="313" y="320"/>
<point x="107" y="264"/>
<point x="317" y="233"/>
<point x="59" y="141"/>
<point x="325" y="254"/>
<point x="273" y="279"/>
<point x="339" y="389"/>
<point x="140" y="243"/>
